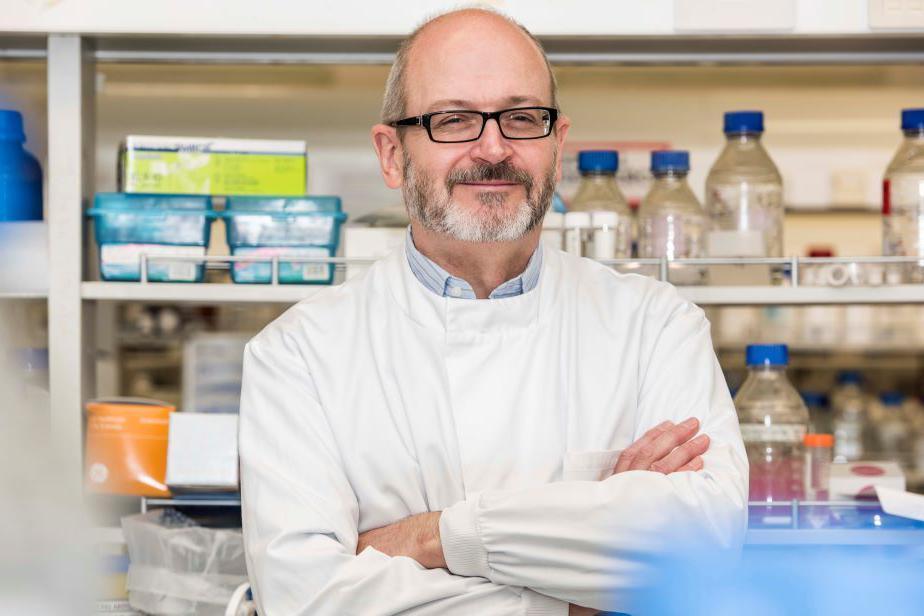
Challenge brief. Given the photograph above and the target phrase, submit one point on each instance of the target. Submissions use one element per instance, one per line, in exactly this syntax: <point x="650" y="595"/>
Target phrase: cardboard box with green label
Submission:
<point x="204" y="166"/>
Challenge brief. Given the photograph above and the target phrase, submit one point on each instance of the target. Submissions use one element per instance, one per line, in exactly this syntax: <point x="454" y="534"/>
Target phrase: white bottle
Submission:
<point x="609" y="236"/>
<point x="577" y="229"/>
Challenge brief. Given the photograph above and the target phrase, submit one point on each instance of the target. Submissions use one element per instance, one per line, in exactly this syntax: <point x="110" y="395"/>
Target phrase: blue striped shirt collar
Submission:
<point x="444" y="284"/>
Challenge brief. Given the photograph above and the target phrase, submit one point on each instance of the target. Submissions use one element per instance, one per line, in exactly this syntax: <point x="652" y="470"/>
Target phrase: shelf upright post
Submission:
<point x="71" y="154"/>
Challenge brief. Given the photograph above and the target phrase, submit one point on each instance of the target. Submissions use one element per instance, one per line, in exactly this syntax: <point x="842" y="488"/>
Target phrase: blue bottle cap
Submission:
<point x="744" y="122"/>
<point x="913" y="119"/>
<point x="11" y="126"/>
<point x="814" y="398"/>
<point x="670" y="160"/>
<point x="892" y="398"/>
<point x="606" y="161"/>
<point x="849" y="377"/>
<point x="767" y="355"/>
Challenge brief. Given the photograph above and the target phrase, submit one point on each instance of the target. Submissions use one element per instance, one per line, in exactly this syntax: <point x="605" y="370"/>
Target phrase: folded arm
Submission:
<point x="592" y="543"/>
<point x="300" y="515"/>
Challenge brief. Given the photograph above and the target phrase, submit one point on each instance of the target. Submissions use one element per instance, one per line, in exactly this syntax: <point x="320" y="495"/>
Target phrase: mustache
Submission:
<point x="500" y="172"/>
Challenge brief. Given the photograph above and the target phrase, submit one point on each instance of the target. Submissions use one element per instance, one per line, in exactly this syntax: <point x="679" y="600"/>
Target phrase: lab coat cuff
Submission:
<point x="463" y="549"/>
<point x="541" y="605"/>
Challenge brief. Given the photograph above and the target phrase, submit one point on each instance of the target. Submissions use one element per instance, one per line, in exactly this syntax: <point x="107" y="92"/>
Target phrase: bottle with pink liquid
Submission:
<point x="774" y="421"/>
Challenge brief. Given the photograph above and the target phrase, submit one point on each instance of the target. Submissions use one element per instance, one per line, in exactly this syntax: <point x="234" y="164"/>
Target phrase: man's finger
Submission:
<point x="626" y="457"/>
<point x="681" y="456"/>
<point x="664" y="444"/>
<point x="696" y="464"/>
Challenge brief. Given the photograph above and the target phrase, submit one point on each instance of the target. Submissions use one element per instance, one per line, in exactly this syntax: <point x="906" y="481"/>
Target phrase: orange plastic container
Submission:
<point x="127" y="446"/>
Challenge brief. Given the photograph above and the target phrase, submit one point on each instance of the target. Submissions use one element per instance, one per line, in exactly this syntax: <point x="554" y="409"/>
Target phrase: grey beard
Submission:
<point x="440" y="215"/>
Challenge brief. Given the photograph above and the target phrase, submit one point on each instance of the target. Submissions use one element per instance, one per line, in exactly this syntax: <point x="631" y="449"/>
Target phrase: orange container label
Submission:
<point x="127" y="447"/>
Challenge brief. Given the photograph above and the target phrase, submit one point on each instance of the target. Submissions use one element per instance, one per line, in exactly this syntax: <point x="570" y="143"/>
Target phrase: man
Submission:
<point x="480" y="425"/>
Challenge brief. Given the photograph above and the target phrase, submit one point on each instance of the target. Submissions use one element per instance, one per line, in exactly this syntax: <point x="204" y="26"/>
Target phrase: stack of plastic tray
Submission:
<point x="270" y="227"/>
<point x="129" y="225"/>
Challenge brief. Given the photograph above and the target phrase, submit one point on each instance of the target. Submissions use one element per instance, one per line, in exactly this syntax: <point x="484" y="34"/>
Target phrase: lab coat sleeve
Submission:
<point x="592" y="543"/>
<point x="300" y="514"/>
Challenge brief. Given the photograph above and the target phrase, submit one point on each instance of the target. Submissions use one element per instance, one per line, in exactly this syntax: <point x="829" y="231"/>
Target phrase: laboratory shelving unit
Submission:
<point x="73" y="37"/>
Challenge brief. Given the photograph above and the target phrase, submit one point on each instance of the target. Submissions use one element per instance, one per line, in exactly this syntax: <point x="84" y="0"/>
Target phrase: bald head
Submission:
<point x="453" y="42"/>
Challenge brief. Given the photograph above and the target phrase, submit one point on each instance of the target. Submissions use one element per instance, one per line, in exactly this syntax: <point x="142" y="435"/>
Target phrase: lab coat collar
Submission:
<point x="468" y="316"/>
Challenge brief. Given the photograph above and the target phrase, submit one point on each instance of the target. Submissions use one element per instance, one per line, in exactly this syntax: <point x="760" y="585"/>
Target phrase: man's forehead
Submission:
<point x="514" y="100"/>
<point x="484" y="63"/>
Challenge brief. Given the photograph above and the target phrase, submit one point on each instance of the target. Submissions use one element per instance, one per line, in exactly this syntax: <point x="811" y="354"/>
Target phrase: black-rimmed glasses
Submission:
<point x="464" y="125"/>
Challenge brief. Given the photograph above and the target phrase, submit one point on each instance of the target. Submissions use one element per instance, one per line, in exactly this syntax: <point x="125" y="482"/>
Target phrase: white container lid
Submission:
<point x="577" y="220"/>
<point x="605" y="218"/>
<point x="553" y="220"/>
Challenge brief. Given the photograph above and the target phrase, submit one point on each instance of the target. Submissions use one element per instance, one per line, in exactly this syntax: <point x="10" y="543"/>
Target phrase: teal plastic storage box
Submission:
<point x="283" y="227"/>
<point x="129" y="225"/>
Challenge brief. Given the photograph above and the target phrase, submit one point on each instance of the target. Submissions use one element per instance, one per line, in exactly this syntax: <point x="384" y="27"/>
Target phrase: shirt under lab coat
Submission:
<point x="377" y="399"/>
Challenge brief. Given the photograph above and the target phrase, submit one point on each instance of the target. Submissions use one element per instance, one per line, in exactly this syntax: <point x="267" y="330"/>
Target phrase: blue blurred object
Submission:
<point x="20" y="172"/>
<point x="892" y="398"/>
<point x="269" y="227"/>
<point x="842" y="581"/>
<point x="849" y="377"/>
<point x="558" y="204"/>
<point x="814" y="398"/>
<point x="127" y="225"/>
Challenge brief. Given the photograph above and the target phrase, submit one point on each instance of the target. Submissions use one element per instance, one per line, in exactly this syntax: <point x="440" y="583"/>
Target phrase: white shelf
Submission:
<point x="223" y="293"/>
<point x="197" y="293"/>
<point x="23" y="295"/>
<point x="793" y="296"/>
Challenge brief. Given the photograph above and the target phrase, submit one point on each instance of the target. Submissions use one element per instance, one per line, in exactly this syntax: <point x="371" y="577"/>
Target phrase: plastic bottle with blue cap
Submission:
<point x="903" y="201"/>
<point x="20" y="173"/>
<point x="744" y="193"/>
<point x="671" y="222"/>
<point x="599" y="194"/>
<point x="773" y="421"/>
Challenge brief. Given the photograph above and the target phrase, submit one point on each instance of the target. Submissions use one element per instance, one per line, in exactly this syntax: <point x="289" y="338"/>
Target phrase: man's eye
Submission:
<point x="524" y="118"/>
<point x="453" y="120"/>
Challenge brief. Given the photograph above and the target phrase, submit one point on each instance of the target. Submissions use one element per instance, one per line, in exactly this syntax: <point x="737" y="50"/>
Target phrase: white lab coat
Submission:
<point x="377" y="399"/>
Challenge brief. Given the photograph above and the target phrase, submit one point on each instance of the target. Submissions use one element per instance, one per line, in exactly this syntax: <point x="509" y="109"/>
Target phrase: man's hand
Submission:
<point x="666" y="448"/>
<point x="577" y="610"/>
<point x="417" y="537"/>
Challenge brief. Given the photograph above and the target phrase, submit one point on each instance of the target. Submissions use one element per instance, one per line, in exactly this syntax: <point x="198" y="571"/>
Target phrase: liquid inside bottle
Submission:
<point x="774" y="421"/>
<point x="671" y="221"/>
<point x="903" y="201"/>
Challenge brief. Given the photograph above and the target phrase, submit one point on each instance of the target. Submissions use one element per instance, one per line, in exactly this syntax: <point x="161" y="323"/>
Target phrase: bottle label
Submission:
<point x="785" y="433"/>
<point x="749" y="207"/>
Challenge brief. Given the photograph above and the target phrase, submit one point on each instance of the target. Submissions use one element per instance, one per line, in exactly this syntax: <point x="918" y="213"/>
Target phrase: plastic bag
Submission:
<point x="178" y="567"/>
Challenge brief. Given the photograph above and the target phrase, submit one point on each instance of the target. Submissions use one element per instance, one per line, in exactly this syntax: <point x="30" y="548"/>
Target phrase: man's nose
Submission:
<point x="492" y="147"/>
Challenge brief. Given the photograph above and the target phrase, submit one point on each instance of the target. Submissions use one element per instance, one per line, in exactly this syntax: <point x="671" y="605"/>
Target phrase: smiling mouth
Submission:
<point x="490" y="184"/>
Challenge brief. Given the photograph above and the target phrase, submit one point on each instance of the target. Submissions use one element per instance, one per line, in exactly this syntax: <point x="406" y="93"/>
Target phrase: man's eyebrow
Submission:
<point x="458" y="103"/>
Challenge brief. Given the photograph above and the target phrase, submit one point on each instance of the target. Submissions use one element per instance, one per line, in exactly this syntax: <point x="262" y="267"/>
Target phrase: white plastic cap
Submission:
<point x="604" y="218"/>
<point x="553" y="220"/>
<point x="577" y="220"/>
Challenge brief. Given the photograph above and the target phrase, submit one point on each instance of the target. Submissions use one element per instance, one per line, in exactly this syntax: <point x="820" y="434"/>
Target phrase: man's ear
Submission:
<point x="561" y="131"/>
<point x="390" y="152"/>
